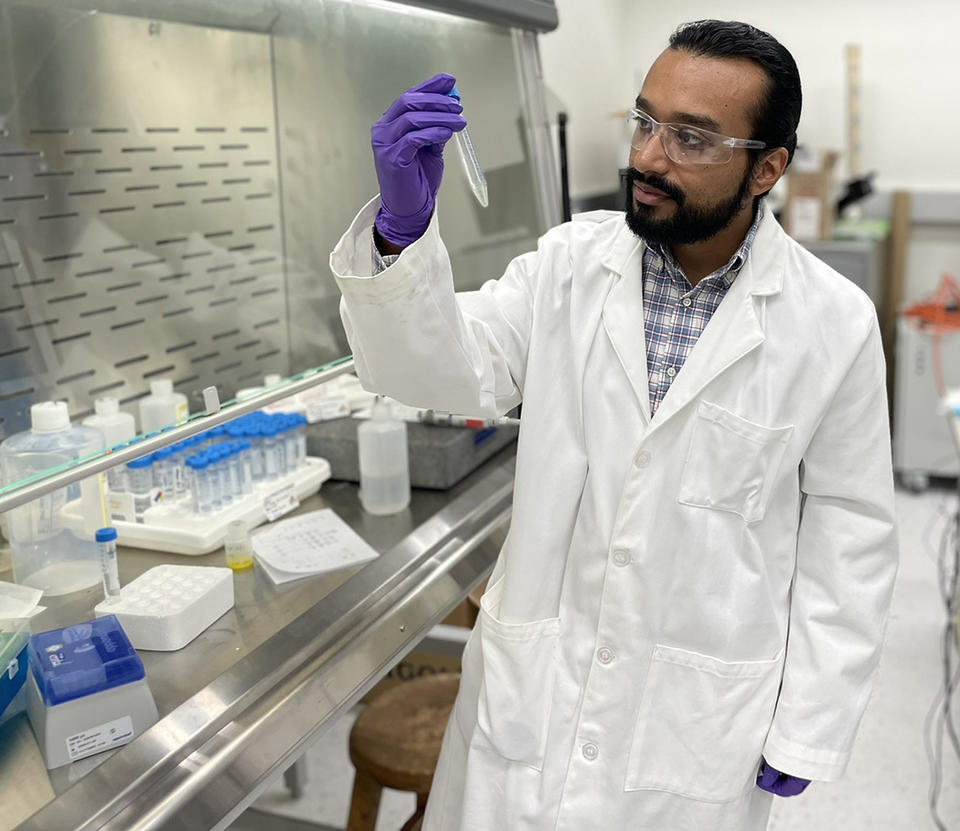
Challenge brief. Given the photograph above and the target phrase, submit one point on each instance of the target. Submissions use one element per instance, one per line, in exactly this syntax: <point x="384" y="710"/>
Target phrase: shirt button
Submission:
<point x="621" y="557"/>
<point x="605" y="655"/>
<point x="687" y="301"/>
<point x="590" y="751"/>
<point x="643" y="458"/>
<point x="671" y="371"/>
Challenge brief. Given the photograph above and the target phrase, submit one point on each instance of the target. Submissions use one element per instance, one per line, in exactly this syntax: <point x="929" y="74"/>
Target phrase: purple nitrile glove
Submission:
<point x="408" y="145"/>
<point x="780" y="784"/>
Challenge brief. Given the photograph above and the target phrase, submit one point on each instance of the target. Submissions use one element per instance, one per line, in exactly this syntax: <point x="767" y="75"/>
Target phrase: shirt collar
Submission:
<point x="725" y="275"/>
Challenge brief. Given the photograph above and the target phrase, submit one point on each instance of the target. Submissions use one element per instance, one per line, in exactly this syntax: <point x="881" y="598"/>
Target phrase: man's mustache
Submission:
<point x="657" y="182"/>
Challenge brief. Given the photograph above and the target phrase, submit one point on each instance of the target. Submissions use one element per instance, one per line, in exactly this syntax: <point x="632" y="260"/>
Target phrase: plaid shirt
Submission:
<point x="675" y="313"/>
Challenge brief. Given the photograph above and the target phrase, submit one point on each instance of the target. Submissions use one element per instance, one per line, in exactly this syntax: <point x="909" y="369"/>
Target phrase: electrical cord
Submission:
<point x="939" y="723"/>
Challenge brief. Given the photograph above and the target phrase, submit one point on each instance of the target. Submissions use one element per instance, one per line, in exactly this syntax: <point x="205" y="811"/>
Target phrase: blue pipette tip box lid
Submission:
<point x="82" y="660"/>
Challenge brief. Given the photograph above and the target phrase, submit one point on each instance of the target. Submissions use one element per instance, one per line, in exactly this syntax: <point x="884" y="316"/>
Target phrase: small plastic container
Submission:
<point x="237" y="546"/>
<point x="384" y="464"/>
<point x="163" y="473"/>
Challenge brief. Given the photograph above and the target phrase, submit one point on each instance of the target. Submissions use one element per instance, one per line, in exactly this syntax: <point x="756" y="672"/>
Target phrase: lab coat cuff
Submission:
<point x="801" y="760"/>
<point x="353" y="266"/>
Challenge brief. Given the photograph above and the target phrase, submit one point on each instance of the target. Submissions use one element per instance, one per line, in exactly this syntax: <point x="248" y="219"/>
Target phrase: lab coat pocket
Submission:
<point x="701" y="725"/>
<point x="731" y="463"/>
<point x="519" y="671"/>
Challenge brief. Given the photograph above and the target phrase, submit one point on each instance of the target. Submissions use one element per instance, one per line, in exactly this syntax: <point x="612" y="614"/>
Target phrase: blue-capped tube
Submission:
<point x="246" y="468"/>
<point x="200" y="484"/>
<point x="268" y="451"/>
<point x="236" y="470"/>
<point x="223" y="493"/>
<point x="300" y="437"/>
<point x="163" y="475"/>
<point x="256" y="454"/>
<point x="140" y="484"/>
<point x="290" y="443"/>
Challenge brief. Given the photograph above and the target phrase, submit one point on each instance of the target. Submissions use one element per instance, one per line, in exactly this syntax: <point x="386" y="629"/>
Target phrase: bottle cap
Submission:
<point x="106" y="406"/>
<point x="161" y="386"/>
<point x="236" y="530"/>
<point x="49" y="417"/>
<point x="142" y="462"/>
<point x="454" y="93"/>
<point x="163" y="453"/>
<point x="106" y="534"/>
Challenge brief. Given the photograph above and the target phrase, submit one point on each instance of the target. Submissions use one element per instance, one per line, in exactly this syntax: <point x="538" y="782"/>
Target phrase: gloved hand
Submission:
<point x="780" y="784"/>
<point x="408" y="154"/>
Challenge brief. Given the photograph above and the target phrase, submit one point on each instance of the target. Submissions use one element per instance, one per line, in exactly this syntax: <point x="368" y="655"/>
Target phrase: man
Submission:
<point x="688" y="613"/>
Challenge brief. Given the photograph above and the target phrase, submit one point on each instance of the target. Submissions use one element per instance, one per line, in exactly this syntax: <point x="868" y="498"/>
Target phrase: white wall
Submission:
<point x="596" y="60"/>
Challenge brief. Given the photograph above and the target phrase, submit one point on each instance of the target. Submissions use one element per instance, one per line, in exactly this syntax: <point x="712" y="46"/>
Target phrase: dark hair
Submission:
<point x="776" y="116"/>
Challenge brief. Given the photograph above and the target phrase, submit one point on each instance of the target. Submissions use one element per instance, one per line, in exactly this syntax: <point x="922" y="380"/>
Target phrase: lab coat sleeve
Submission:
<point x="845" y="570"/>
<point x="416" y="340"/>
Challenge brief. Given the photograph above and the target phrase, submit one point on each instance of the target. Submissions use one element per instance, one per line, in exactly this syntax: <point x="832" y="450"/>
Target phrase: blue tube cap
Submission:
<point x="106" y="534"/>
<point x="454" y="93"/>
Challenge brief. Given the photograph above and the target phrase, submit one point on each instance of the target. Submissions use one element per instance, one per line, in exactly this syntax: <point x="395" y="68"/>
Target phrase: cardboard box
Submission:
<point x="809" y="211"/>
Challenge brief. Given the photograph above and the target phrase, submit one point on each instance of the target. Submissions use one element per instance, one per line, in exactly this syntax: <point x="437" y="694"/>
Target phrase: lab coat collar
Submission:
<point x="734" y="330"/>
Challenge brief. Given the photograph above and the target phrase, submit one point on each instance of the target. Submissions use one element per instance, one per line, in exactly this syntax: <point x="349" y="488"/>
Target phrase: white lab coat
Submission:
<point x="631" y="662"/>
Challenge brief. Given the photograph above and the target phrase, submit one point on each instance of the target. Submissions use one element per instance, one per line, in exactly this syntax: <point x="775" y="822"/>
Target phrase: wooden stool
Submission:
<point x="395" y="743"/>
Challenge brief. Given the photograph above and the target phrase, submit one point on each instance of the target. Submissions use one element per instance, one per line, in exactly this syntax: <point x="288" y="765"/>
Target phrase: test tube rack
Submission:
<point x="176" y="529"/>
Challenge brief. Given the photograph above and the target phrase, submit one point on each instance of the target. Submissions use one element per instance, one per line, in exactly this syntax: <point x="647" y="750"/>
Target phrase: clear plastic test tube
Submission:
<point x="469" y="160"/>
<point x="107" y="543"/>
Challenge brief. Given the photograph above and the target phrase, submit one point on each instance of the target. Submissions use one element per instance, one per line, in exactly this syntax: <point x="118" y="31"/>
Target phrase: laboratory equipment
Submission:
<point x="384" y="466"/>
<point x="14" y="636"/>
<point x="167" y="606"/>
<point x="162" y="407"/>
<point x="107" y="543"/>
<point x="140" y="485"/>
<point x="117" y="427"/>
<point x="87" y="691"/>
<point x="46" y="553"/>
<point x="237" y="546"/>
<point x="469" y="160"/>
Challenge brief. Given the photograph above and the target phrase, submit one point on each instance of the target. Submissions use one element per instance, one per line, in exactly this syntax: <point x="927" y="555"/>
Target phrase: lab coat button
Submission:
<point x="621" y="557"/>
<point x="643" y="458"/>
<point x="605" y="655"/>
<point x="590" y="751"/>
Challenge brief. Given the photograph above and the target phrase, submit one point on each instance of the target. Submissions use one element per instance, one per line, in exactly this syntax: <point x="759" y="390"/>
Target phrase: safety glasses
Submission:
<point x="684" y="144"/>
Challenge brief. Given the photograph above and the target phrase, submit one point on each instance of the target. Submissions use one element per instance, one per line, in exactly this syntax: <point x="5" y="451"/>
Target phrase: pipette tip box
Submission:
<point x="87" y="691"/>
<point x="167" y="606"/>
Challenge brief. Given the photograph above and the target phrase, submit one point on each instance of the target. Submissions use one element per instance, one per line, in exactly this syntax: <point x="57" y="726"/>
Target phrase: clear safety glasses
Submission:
<point x="684" y="144"/>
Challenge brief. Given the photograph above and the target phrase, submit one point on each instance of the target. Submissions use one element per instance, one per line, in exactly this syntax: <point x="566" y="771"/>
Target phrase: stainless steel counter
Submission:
<point x="243" y="700"/>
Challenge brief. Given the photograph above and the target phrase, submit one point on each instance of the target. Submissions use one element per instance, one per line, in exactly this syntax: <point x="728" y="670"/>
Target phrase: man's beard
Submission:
<point x="688" y="224"/>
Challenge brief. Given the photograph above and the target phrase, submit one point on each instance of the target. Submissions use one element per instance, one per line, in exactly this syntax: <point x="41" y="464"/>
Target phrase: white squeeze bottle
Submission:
<point x="384" y="469"/>
<point x="162" y="407"/>
<point x="117" y="427"/>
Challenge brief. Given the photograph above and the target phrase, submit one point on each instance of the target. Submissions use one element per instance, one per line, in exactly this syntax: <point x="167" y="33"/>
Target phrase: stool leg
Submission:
<point x="295" y="776"/>
<point x="416" y="821"/>
<point x="364" y="803"/>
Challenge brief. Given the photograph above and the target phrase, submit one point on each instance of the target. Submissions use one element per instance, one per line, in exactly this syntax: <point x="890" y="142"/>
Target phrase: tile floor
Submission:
<point x="887" y="783"/>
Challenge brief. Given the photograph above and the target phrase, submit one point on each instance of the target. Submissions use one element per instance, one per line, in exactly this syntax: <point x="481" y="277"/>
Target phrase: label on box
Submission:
<point x="102" y="737"/>
<point x="805" y="218"/>
<point x="330" y="407"/>
<point x="280" y="502"/>
<point x="121" y="506"/>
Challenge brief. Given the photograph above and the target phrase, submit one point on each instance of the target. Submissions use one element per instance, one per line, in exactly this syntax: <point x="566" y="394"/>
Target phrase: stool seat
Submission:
<point x="395" y="743"/>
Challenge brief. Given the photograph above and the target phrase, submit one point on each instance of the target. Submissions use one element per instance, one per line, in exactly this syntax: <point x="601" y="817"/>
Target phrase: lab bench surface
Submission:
<point x="241" y="702"/>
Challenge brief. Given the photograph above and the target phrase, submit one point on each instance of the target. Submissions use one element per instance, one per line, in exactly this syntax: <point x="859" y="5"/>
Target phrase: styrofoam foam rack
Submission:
<point x="177" y="530"/>
<point x="167" y="606"/>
